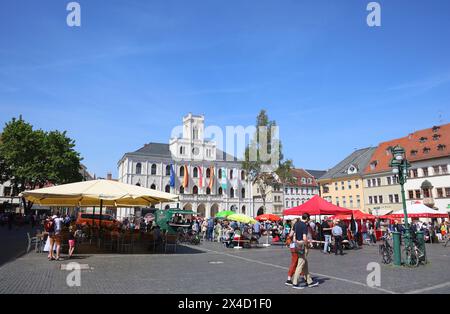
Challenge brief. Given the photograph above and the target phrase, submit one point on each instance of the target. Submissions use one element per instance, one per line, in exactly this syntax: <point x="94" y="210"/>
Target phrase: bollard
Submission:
<point x="421" y="242"/>
<point x="397" y="248"/>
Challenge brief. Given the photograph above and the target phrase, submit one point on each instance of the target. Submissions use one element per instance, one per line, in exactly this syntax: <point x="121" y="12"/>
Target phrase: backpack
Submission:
<point x="49" y="226"/>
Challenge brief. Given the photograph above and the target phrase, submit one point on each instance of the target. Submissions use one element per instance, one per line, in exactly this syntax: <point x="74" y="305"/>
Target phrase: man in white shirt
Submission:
<point x="59" y="222"/>
<point x="337" y="233"/>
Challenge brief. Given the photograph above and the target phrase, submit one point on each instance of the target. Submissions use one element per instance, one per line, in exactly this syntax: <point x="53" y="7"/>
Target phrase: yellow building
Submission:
<point x="343" y="185"/>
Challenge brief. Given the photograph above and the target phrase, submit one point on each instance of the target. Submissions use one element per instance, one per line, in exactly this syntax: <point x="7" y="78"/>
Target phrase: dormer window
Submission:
<point x="414" y="152"/>
<point x="436" y="128"/>
<point x="441" y="147"/>
<point x="352" y="169"/>
<point x="423" y="139"/>
<point x="389" y="151"/>
<point x="436" y="137"/>
<point x="373" y="165"/>
<point x="426" y="150"/>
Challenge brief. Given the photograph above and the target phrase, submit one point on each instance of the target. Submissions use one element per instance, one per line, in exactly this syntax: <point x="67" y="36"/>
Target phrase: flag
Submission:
<point x="172" y="176"/>
<point x="186" y="177"/>
<point x="211" y="178"/>
<point x="200" y="176"/>
<point x="224" y="179"/>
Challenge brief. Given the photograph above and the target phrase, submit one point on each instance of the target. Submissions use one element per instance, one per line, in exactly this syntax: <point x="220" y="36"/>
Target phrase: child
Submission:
<point x="71" y="241"/>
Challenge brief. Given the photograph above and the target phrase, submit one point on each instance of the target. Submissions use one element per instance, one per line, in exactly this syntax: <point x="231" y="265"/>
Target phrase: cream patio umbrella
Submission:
<point x="97" y="193"/>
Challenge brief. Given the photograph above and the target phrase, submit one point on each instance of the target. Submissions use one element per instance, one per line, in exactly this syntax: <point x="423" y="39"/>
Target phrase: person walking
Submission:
<point x="204" y="229"/>
<point x="59" y="222"/>
<point x="326" y="231"/>
<point x="337" y="234"/>
<point x="71" y="241"/>
<point x="301" y="240"/>
<point x="354" y="232"/>
<point x="290" y="241"/>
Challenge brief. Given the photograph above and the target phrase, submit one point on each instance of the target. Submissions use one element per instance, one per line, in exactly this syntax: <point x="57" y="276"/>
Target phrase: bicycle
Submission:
<point x="414" y="255"/>
<point x="386" y="250"/>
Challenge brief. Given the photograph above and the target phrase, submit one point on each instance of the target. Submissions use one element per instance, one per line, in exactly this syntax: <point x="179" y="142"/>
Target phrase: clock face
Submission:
<point x="195" y="151"/>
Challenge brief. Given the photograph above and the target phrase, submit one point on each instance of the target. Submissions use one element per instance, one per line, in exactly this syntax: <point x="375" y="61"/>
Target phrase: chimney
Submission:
<point x="109" y="176"/>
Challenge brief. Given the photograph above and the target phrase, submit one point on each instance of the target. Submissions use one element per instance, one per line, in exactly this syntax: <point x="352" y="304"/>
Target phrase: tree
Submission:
<point x="30" y="159"/>
<point x="264" y="173"/>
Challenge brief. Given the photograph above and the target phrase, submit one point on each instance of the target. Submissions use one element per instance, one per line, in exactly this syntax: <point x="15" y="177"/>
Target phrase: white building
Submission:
<point x="214" y="180"/>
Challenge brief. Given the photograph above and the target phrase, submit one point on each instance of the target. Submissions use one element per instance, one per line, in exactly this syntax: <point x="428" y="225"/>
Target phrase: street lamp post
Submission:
<point x="400" y="166"/>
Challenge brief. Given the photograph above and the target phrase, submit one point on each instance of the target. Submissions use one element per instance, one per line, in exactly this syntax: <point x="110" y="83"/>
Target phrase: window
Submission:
<point x="208" y="153"/>
<point x="303" y="180"/>
<point x="436" y="128"/>
<point x="181" y="190"/>
<point x="349" y="183"/>
<point x="242" y="175"/>
<point x="286" y="190"/>
<point x="7" y="191"/>
<point x="220" y="191"/>
<point x="138" y="168"/>
<point x="440" y="193"/>
<point x="153" y="187"/>
<point x="426" y="150"/>
<point x="436" y="170"/>
<point x="153" y="169"/>
<point x="414" y="173"/>
<point x="425" y="172"/>
<point x="358" y="201"/>
<point x="195" y="133"/>
<point x="391" y="198"/>
<point x="243" y="193"/>
<point x="296" y="190"/>
<point x="444" y="169"/>
<point x="195" y="172"/>
<point x="182" y="171"/>
<point x="417" y="194"/>
<point x="441" y="147"/>
<point x="287" y="204"/>
<point x="292" y="190"/>
<point x="357" y="184"/>
<point x="436" y="137"/>
<point x="426" y="193"/>
<point x="369" y="183"/>
<point x="208" y="191"/>
<point x="168" y="170"/>
<point x="380" y="198"/>
<point x="167" y="189"/>
<point x="231" y="174"/>
<point x="375" y="199"/>
<point x="379" y="181"/>
<point x="411" y="194"/>
<point x="342" y="185"/>
<point x="370" y="200"/>
<point x="374" y="182"/>
<point x="351" y="201"/>
<point x="195" y="190"/>
<point x="414" y="152"/>
<point x="220" y="174"/>
<point x="232" y="193"/>
<point x="336" y="186"/>
<point x="447" y="192"/>
<point x="182" y="150"/>
<point x="397" y="198"/>
<point x="337" y="201"/>
<point x="389" y="180"/>
<point x="208" y="173"/>
<point x="423" y="139"/>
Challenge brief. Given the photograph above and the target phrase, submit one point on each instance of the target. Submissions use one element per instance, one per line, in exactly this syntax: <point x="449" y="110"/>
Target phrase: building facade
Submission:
<point x="302" y="188"/>
<point x="429" y="179"/>
<point x="342" y="185"/>
<point x="206" y="179"/>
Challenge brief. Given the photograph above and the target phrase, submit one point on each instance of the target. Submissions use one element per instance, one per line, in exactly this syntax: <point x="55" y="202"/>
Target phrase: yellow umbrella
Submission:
<point x="241" y="218"/>
<point x="92" y="193"/>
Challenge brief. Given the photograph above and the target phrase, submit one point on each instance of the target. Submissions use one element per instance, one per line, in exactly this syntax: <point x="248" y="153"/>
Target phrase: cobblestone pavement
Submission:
<point x="211" y="268"/>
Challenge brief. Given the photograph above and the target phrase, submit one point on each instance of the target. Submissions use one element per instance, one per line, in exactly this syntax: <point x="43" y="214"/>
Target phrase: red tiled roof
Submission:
<point x="420" y="145"/>
<point x="298" y="174"/>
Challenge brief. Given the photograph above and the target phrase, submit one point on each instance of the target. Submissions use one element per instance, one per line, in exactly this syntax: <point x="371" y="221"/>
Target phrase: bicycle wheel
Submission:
<point x="412" y="258"/>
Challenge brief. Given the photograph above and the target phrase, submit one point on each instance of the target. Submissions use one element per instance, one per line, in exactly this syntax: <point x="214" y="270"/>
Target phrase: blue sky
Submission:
<point x="134" y="68"/>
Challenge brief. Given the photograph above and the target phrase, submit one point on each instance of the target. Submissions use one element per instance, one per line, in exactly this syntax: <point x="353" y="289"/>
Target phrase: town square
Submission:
<point x="224" y="149"/>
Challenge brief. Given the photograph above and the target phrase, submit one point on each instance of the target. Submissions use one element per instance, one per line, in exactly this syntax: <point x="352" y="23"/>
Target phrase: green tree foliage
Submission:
<point x="32" y="158"/>
<point x="266" y="173"/>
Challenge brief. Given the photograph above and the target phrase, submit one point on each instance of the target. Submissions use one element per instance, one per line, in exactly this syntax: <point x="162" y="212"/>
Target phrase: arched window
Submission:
<point x="195" y="190"/>
<point x="153" y="187"/>
<point x="231" y="174"/>
<point x="182" y="171"/>
<point x="232" y="193"/>
<point x="208" y="173"/>
<point x="167" y="207"/>
<point x="220" y="174"/>
<point x="181" y="190"/>
<point x="195" y="172"/>
<point x="167" y="189"/>
<point x="153" y="169"/>
<point x="181" y="150"/>
<point x="168" y="170"/>
<point x="208" y="191"/>
<point x="243" y="209"/>
<point x="242" y="175"/>
<point x="243" y="193"/>
<point x="138" y="168"/>
<point x="138" y="184"/>
<point x="220" y="191"/>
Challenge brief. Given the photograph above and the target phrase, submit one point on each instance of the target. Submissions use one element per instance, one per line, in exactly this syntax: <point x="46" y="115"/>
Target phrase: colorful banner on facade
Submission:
<point x="200" y="176"/>
<point x="211" y="177"/>
<point x="172" y="176"/>
<point x="223" y="181"/>
<point x="186" y="177"/>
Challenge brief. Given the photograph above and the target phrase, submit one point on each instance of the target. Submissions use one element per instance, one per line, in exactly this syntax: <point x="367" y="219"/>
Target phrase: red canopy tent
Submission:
<point x="317" y="206"/>
<point x="357" y="214"/>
